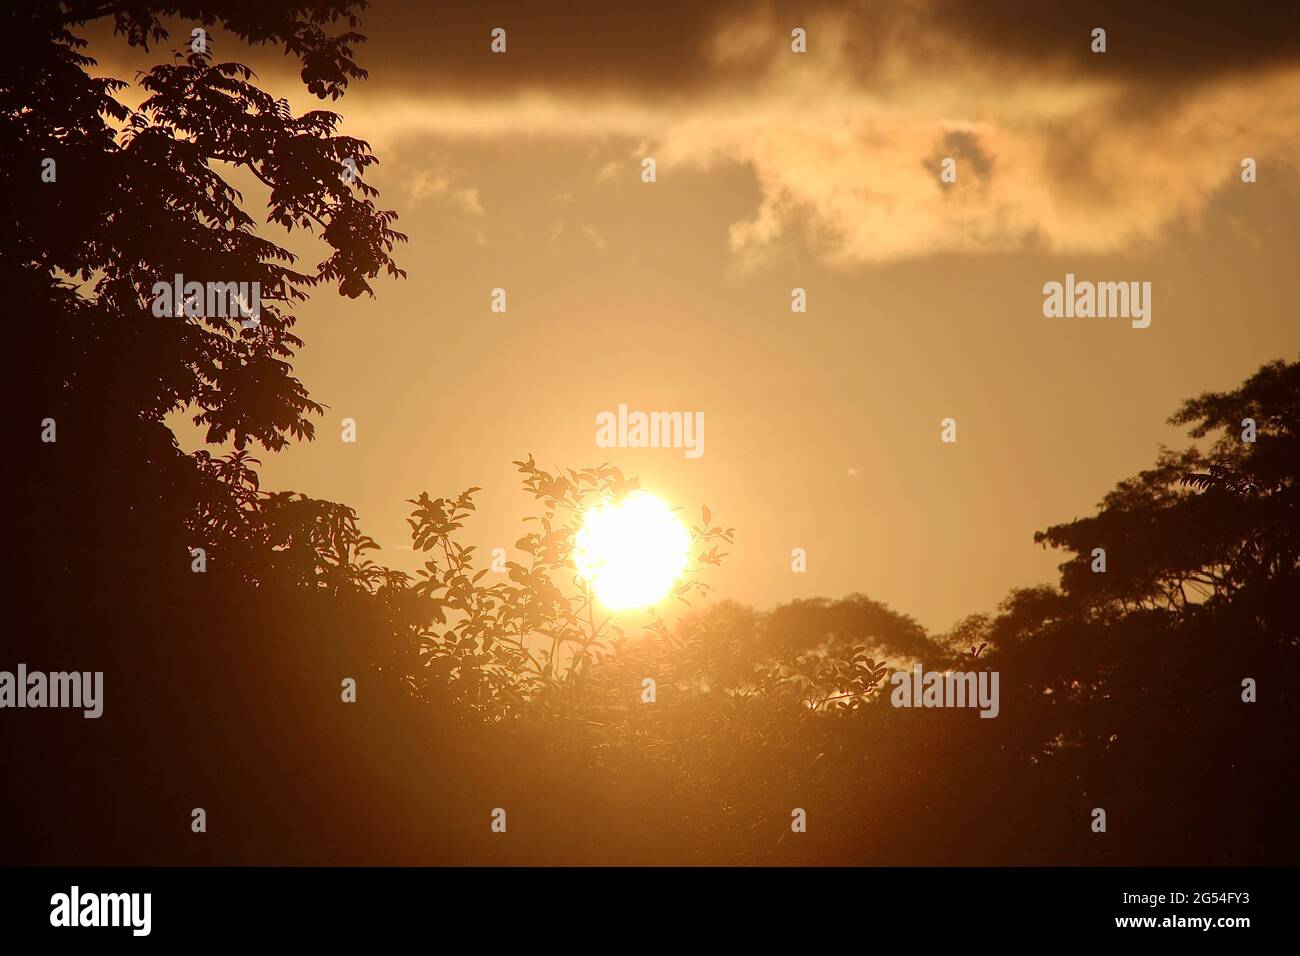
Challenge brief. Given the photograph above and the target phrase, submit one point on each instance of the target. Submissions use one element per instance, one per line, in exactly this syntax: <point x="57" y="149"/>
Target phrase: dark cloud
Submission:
<point x="1160" y="40"/>
<point x="571" y="44"/>
<point x="667" y="46"/>
<point x="964" y="147"/>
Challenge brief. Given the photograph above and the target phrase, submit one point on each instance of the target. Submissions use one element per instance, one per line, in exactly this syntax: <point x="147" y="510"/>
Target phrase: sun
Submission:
<point x="631" y="550"/>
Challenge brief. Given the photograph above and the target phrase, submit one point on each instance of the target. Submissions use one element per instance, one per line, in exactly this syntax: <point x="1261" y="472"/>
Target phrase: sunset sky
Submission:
<point x="778" y="170"/>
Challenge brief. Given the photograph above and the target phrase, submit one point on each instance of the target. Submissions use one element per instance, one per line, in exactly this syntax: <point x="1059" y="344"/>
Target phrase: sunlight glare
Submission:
<point x="631" y="551"/>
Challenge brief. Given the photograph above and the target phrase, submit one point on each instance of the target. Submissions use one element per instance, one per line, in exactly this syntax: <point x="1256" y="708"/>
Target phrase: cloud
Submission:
<point x="1064" y="166"/>
<point x="427" y="183"/>
<point x="682" y="47"/>
<point x="1084" y="176"/>
<point x="609" y="172"/>
<point x="1057" y="148"/>
<point x="685" y="46"/>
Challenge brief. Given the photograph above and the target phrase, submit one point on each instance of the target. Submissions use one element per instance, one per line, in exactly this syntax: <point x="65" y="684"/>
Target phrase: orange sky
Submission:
<point x="820" y="170"/>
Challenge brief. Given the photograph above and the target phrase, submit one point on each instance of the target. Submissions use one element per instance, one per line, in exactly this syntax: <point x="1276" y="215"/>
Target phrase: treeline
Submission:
<point x="1120" y="690"/>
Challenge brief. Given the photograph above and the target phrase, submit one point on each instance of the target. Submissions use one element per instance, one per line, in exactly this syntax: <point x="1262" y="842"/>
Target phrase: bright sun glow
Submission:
<point x="631" y="550"/>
